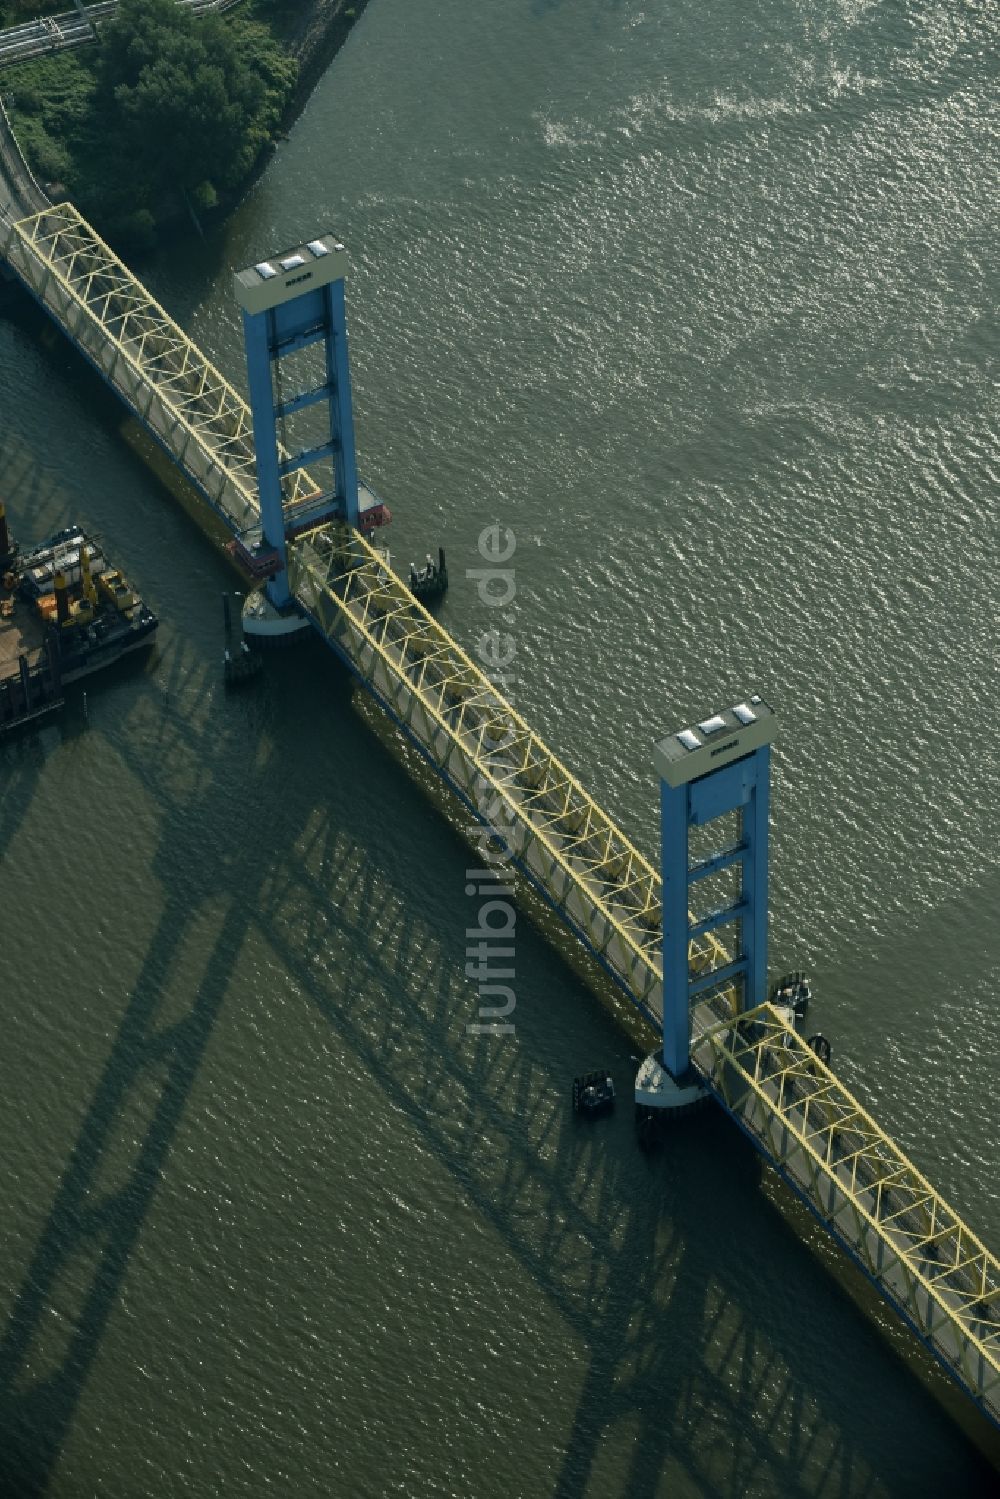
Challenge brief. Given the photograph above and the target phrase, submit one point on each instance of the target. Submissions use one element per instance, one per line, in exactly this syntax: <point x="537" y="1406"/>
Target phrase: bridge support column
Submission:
<point x="257" y="338"/>
<point x="718" y="766"/>
<point x="291" y="302"/>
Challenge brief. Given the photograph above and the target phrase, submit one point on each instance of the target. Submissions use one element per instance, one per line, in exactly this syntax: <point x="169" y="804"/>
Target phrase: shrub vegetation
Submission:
<point x="168" y="113"/>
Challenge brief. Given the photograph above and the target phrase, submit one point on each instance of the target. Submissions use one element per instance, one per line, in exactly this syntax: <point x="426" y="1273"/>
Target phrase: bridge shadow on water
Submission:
<point x="682" y="1350"/>
<point x="21" y="761"/>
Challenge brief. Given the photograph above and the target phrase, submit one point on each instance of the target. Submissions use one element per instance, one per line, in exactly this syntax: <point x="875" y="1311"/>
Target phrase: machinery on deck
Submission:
<point x="65" y="612"/>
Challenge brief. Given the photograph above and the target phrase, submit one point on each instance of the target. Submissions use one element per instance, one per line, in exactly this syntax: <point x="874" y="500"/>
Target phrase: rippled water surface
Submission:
<point x="700" y="301"/>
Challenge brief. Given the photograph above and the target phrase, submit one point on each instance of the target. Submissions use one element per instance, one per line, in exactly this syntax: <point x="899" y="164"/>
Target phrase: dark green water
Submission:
<point x="700" y="301"/>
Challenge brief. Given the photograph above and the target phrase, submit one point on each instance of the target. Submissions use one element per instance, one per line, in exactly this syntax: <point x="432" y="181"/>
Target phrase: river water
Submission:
<point x="700" y="302"/>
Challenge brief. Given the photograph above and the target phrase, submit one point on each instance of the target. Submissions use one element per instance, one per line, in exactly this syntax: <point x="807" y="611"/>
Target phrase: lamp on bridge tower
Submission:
<point x="291" y="301"/>
<point x="718" y="766"/>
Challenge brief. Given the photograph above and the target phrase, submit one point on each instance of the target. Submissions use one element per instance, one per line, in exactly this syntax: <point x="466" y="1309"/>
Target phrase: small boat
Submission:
<point x="431" y="580"/>
<point x="821" y="1047"/>
<point x="593" y="1093"/>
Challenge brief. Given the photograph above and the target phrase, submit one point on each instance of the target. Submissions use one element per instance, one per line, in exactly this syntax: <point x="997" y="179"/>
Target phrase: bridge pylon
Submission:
<point x="717" y="767"/>
<point x="292" y="301"/>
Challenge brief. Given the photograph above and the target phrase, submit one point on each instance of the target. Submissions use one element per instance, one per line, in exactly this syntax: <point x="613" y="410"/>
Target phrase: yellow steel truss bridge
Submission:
<point x="912" y="1245"/>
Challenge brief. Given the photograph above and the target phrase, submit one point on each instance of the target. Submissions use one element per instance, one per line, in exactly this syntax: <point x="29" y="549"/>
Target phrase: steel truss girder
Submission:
<point x="153" y="365"/>
<point x="857" y="1181"/>
<point x="915" y="1247"/>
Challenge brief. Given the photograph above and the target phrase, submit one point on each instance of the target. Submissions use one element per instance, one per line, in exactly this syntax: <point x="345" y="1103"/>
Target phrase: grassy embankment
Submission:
<point x="79" y="140"/>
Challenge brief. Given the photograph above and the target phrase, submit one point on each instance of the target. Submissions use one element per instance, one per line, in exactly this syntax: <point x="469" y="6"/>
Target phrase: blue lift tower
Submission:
<point x="721" y="765"/>
<point x="292" y="301"/>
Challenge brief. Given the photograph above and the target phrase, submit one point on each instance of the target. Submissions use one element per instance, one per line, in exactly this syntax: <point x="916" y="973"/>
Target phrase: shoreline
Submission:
<point x="324" y="31"/>
<point x="312" y="37"/>
<point x="320" y="35"/>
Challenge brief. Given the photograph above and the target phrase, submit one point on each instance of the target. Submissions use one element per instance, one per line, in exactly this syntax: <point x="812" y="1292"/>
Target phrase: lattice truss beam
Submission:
<point x="158" y="370"/>
<point x="589" y="869"/>
<point x="927" y="1261"/>
<point x="911" y="1243"/>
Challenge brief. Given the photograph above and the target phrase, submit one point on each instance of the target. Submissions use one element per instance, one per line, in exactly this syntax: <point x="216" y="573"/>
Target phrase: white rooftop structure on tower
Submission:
<point x="281" y="277"/>
<point x="715" y="741"/>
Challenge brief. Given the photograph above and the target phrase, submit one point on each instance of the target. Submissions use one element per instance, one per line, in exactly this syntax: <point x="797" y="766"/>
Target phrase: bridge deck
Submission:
<point x="915" y="1248"/>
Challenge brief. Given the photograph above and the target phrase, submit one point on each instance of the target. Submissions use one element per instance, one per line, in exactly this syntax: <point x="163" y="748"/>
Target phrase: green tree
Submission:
<point x="196" y="101"/>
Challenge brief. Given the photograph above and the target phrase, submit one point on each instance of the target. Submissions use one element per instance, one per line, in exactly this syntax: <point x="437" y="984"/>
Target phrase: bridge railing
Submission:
<point x="909" y="1241"/>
